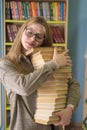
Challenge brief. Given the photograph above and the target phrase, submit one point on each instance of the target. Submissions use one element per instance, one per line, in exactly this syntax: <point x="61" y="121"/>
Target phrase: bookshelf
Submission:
<point x="56" y="14"/>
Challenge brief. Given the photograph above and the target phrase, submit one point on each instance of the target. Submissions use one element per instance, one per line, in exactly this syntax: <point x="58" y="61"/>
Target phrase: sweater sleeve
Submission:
<point x="25" y="84"/>
<point x="74" y="94"/>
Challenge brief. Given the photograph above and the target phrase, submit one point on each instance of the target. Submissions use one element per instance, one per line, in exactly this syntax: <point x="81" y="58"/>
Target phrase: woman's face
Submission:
<point x="32" y="36"/>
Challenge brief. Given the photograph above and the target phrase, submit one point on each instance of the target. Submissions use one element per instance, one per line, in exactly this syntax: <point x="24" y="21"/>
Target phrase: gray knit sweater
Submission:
<point x="22" y="92"/>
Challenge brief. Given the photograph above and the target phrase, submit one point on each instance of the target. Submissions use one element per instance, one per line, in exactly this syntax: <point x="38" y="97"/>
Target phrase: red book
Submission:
<point x="54" y="36"/>
<point x="9" y="33"/>
<point x="59" y="34"/>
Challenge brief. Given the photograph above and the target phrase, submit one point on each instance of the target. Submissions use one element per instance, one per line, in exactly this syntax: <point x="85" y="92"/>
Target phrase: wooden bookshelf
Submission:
<point x="11" y="19"/>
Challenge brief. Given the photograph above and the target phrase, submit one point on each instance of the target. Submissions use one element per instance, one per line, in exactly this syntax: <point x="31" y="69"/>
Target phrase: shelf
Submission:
<point x="22" y="21"/>
<point x="8" y="107"/>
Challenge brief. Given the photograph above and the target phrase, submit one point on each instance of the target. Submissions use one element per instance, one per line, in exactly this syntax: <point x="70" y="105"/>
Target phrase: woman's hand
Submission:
<point x="62" y="59"/>
<point x="65" y="116"/>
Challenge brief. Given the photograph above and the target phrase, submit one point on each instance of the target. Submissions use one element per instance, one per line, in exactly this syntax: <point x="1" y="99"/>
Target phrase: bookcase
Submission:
<point x="15" y="14"/>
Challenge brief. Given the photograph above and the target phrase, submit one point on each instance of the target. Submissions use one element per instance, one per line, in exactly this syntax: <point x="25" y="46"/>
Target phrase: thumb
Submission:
<point x="55" y="52"/>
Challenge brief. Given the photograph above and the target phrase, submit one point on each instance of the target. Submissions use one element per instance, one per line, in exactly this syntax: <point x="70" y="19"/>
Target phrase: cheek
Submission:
<point x="22" y="40"/>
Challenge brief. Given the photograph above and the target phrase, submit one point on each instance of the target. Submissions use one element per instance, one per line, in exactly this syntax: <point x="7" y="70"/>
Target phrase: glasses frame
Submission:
<point x="36" y="35"/>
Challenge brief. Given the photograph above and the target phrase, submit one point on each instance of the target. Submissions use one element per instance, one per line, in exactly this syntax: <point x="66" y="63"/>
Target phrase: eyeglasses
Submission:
<point x="29" y="33"/>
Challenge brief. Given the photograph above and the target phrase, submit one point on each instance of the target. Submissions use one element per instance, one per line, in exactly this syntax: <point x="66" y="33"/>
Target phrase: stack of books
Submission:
<point x="52" y="95"/>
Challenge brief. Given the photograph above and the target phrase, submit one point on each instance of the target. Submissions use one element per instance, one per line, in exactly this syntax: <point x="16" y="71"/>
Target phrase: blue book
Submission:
<point x="61" y="10"/>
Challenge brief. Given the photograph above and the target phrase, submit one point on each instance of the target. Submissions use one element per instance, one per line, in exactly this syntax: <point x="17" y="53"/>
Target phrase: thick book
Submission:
<point x="52" y="99"/>
<point x="50" y="106"/>
<point x="46" y="120"/>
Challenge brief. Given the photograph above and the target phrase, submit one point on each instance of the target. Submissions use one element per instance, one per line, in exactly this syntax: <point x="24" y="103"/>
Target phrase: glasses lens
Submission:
<point x="29" y="33"/>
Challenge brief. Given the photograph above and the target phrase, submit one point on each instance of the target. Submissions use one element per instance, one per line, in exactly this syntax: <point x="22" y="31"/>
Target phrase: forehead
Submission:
<point x="36" y="27"/>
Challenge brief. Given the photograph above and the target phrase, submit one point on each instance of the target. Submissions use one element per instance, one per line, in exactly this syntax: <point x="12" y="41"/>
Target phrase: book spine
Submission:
<point x="9" y="33"/>
<point x="38" y="9"/>
<point x="64" y="10"/>
<point x="56" y="10"/>
<point x="27" y="10"/>
<point x="54" y="14"/>
<point x="61" y="39"/>
<point x="7" y="10"/>
<point x="30" y="9"/>
<point x="41" y="8"/>
<point x="44" y="10"/>
<point x="22" y="8"/>
<point x="19" y="9"/>
<point x="47" y="11"/>
<point x="51" y="10"/>
<point x="12" y="5"/>
<point x="34" y="9"/>
<point x="61" y="10"/>
<point x="55" y="38"/>
<point x="16" y="10"/>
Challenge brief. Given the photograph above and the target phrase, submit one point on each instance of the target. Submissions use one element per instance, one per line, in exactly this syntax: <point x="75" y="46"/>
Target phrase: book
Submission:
<point x="51" y="10"/>
<point x="54" y="34"/>
<point x="16" y="10"/>
<point x="41" y="8"/>
<point x="7" y="10"/>
<point x="34" y="8"/>
<point x="53" y="91"/>
<point x="45" y="113"/>
<point x="57" y="34"/>
<point x="45" y="120"/>
<point x="19" y="4"/>
<point x="56" y="10"/>
<point x="44" y="10"/>
<point x="47" y="11"/>
<point x="9" y="33"/>
<point x="13" y="12"/>
<point x="50" y="106"/>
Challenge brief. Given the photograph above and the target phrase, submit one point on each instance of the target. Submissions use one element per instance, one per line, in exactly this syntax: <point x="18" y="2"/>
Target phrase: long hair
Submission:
<point x="16" y="48"/>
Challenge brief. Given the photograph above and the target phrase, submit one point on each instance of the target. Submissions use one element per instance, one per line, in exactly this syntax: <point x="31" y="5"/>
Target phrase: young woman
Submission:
<point x="21" y="81"/>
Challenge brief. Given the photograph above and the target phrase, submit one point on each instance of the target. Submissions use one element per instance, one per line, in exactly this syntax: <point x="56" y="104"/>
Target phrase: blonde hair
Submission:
<point x="16" y="49"/>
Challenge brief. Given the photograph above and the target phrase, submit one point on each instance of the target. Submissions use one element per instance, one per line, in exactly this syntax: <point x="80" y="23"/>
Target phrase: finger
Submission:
<point x="66" y="51"/>
<point x="55" y="50"/>
<point x="68" y="57"/>
<point x="68" y="64"/>
<point x="59" y="123"/>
